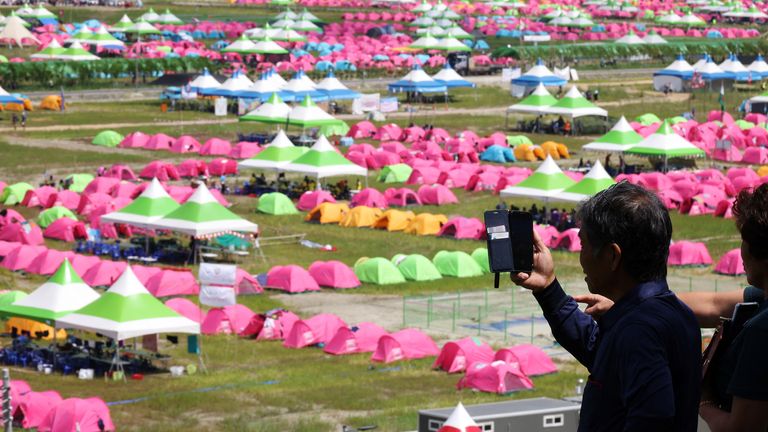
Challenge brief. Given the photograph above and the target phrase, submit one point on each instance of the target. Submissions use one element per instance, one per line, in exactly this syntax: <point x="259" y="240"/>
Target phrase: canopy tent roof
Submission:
<point x="63" y="293"/>
<point x="759" y="66"/>
<point x="242" y="45"/>
<point x="308" y="114"/>
<point x="124" y="23"/>
<point x="103" y="39"/>
<point x="203" y="215"/>
<point x="451" y="78"/>
<point x="204" y="81"/>
<point x="547" y="181"/>
<point x="539" y="74"/>
<point x="711" y="71"/>
<point x="141" y="27"/>
<point x="620" y="138"/>
<point x="323" y="160"/>
<point x="147" y="208"/>
<point x="262" y="89"/>
<point x="451" y="44"/>
<point x="417" y="81"/>
<point x="127" y="310"/>
<point x="631" y="39"/>
<point x="679" y="68"/>
<point x="16" y="31"/>
<point x="267" y="46"/>
<point x="733" y="66"/>
<point x="272" y="111"/>
<point x="574" y="104"/>
<point x="276" y="154"/>
<point x="232" y="87"/>
<point x="168" y="18"/>
<point x="50" y="51"/>
<point x="335" y="89"/>
<point x="75" y="52"/>
<point x="654" y="38"/>
<point x="537" y="102"/>
<point x="426" y="42"/>
<point x="666" y="143"/>
<point x="299" y="87"/>
<point x="596" y="180"/>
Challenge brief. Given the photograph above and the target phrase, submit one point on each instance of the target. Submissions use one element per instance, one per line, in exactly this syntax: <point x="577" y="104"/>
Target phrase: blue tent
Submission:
<point x="539" y="74"/>
<point x="497" y="153"/>
<point x="417" y="81"/>
<point x="451" y="78"/>
<point x="679" y="68"/>
<point x="334" y="89"/>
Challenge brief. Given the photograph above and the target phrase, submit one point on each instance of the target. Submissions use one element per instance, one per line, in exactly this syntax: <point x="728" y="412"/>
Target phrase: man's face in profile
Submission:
<point x="594" y="270"/>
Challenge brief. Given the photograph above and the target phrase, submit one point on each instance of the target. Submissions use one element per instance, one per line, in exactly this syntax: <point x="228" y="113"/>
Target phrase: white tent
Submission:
<point x="15" y="31"/>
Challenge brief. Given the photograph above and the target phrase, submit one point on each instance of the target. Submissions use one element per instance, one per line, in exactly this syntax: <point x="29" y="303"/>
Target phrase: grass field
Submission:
<point x="263" y="386"/>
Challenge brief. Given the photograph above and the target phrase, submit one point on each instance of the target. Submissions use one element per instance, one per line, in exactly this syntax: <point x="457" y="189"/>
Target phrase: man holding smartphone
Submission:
<point x="643" y="353"/>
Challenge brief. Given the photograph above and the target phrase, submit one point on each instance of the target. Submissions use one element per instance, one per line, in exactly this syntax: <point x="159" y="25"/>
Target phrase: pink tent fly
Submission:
<point x="38" y="197"/>
<point x="121" y="172"/>
<point x="7" y="247"/>
<point x="436" y="194"/>
<point x="244" y="150"/>
<point x="731" y="263"/>
<point x="104" y="273"/>
<point x="100" y="185"/>
<point x="34" y="407"/>
<point x="568" y="240"/>
<point x="81" y="415"/>
<point x="11" y="216"/>
<point x="498" y="377"/>
<point x="169" y="283"/>
<point x="216" y="147"/>
<point x="164" y="171"/>
<point x="363" y="129"/>
<point x="319" y="329"/>
<point x="406" y="344"/>
<point x="144" y="273"/>
<point x="683" y="253"/>
<point x="222" y="166"/>
<point x="125" y="189"/>
<point x="247" y="284"/>
<point x="81" y="263"/>
<point x="160" y="141"/>
<point x="456" y="356"/>
<point x="134" y="140"/>
<point x="48" y="261"/>
<point x="24" y="233"/>
<point x="533" y="361"/>
<point x="333" y="274"/>
<point x="401" y="197"/>
<point x="192" y="168"/>
<point x="21" y="257"/>
<point x="66" y="229"/>
<point x="463" y="228"/>
<point x="18" y="389"/>
<point x="361" y="338"/>
<point x="65" y="198"/>
<point x="277" y="324"/>
<point x="185" y="308"/>
<point x="312" y="199"/>
<point x="185" y="144"/>
<point x="227" y="320"/>
<point x="291" y="278"/>
<point x="369" y="197"/>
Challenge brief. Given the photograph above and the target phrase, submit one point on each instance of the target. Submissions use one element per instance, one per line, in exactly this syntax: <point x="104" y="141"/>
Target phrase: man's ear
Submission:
<point x="614" y="256"/>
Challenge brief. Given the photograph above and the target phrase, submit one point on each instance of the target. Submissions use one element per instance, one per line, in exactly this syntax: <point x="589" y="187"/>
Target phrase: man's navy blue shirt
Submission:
<point x="643" y="356"/>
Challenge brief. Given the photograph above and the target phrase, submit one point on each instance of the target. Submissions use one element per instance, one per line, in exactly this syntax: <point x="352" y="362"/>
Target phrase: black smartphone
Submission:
<point x="521" y="236"/>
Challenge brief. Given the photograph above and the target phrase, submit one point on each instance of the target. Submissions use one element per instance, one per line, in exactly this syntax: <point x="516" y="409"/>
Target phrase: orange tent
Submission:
<point x="394" y="220"/>
<point x="426" y="224"/>
<point x="327" y="213"/>
<point x="524" y="152"/>
<point x="34" y="329"/>
<point x="361" y="216"/>
<point x="550" y="148"/>
<point x="51" y="103"/>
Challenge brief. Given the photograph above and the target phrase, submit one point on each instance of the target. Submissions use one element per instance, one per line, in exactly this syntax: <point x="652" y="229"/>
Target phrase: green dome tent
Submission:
<point x="53" y="214"/>
<point x="107" y="138"/>
<point x="648" y="119"/>
<point x="397" y="173"/>
<point x="480" y="255"/>
<point x="378" y="271"/>
<point x="79" y="182"/>
<point x="416" y="267"/>
<point x="14" y="193"/>
<point x="456" y="264"/>
<point x="513" y="140"/>
<point x="276" y="203"/>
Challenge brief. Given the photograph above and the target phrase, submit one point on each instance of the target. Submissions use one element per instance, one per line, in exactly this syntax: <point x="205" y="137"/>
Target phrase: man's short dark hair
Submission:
<point x="634" y="219"/>
<point x="751" y="213"/>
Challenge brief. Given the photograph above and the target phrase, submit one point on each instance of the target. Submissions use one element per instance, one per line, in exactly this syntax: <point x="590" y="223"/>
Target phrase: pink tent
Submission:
<point x="66" y="229"/>
<point x="334" y="274"/>
<point x="134" y="140"/>
<point x="222" y="166"/>
<point x="216" y="147"/>
<point x="291" y="278"/>
<point x="463" y="228"/>
<point x="185" y="144"/>
<point x="192" y="168"/>
<point x="104" y="273"/>
<point x="318" y="329"/>
<point x="683" y="253"/>
<point x="48" y="261"/>
<point x="228" y="320"/>
<point x="160" y="141"/>
<point x="568" y="240"/>
<point x="244" y="150"/>
<point x="7" y="247"/>
<point x="497" y="377"/>
<point x="389" y="132"/>
<point x="76" y="414"/>
<point x="752" y="155"/>
<point x="363" y="129"/>
<point x="81" y="263"/>
<point x="125" y="189"/>
<point x="533" y="361"/>
<point x="169" y="283"/>
<point x="65" y="198"/>
<point x="401" y="197"/>
<point x="423" y="175"/>
<point x="361" y="338"/>
<point x="406" y="344"/>
<point x="38" y="197"/>
<point x="144" y="273"/>
<point x="436" y="195"/>
<point x="731" y="263"/>
<point x="24" y="233"/>
<point x="186" y="308"/>
<point x="277" y="325"/>
<point x="33" y="407"/>
<point x="88" y="202"/>
<point x="164" y="171"/>
<point x="310" y="200"/>
<point x="121" y="172"/>
<point x="11" y="216"/>
<point x="247" y="284"/>
<point x="656" y="181"/>
<point x="100" y="185"/>
<point x="457" y="355"/>
<point x="369" y="197"/>
<point x="21" y="257"/>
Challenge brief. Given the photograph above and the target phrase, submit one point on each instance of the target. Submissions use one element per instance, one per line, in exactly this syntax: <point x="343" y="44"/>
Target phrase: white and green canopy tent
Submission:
<point x="304" y="25"/>
<point x="201" y="215"/>
<point x="307" y="15"/>
<point x="168" y="18"/>
<point x="323" y="160"/>
<point x="127" y="310"/>
<point x="124" y="23"/>
<point x="596" y="180"/>
<point x="426" y="42"/>
<point x="243" y="45"/>
<point x="150" y="16"/>
<point x="83" y="35"/>
<point x="64" y="293"/>
<point x="286" y="34"/>
<point x="267" y="46"/>
<point x="147" y="208"/>
<point x="665" y="144"/>
<point x="75" y="52"/>
<point x="276" y="154"/>
<point x="100" y="37"/>
<point x="451" y="44"/>
<point x="575" y="105"/>
<point x="620" y="138"/>
<point x="308" y="114"/>
<point x="538" y="102"/>
<point x="547" y="181"/>
<point x="142" y="28"/>
<point x="273" y="110"/>
<point x="41" y="12"/>
<point x="287" y="14"/>
<point x="53" y="49"/>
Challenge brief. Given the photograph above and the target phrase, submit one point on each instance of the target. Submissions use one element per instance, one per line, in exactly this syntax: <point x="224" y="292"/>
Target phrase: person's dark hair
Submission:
<point x="634" y="219"/>
<point x="751" y="213"/>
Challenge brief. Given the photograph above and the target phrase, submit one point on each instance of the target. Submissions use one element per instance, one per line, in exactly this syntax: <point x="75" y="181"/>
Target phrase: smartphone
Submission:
<point x="510" y="241"/>
<point x="521" y="234"/>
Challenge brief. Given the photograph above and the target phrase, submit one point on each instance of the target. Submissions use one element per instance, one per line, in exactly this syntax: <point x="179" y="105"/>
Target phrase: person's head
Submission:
<point x="751" y="213"/>
<point x="625" y="235"/>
